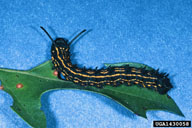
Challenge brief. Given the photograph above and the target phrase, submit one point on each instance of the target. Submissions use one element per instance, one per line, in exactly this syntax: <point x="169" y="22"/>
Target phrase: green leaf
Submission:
<point x="27" y="104"/>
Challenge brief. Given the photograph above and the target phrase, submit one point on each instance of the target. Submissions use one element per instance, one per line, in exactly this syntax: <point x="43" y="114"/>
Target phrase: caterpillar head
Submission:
<point x="62" y="42"/>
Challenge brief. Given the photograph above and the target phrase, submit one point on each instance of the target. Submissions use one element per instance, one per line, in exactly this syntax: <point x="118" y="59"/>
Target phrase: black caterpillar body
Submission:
<point x="115" y="76"/>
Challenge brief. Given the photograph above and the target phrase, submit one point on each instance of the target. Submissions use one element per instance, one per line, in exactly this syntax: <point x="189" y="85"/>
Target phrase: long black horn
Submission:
<point x="46" y="33"/>
<point x="77" y="36"/>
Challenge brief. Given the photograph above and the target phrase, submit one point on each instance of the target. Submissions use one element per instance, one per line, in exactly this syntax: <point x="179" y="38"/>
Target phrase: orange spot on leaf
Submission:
<point x="1" y="87"/>
<point x="55" y="73"/>
<point x="19" y="85"/>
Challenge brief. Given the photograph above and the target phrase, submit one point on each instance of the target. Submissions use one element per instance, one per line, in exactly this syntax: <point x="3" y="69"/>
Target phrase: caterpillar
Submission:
<point x="114" y="76"/>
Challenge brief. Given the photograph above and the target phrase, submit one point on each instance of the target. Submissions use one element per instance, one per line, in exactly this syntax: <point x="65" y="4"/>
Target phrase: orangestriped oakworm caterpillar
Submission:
<point x="114" y="76"/>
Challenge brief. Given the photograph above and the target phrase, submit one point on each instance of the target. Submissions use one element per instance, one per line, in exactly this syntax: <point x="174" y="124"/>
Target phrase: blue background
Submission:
<point x="153" y="32"/>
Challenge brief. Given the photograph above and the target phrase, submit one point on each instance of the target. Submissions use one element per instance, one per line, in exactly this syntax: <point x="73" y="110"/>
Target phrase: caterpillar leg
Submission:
<point x="60" y="76"/>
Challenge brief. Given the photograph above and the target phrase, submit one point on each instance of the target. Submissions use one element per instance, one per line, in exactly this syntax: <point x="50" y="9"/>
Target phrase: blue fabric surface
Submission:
<point x="153" y="32"/>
